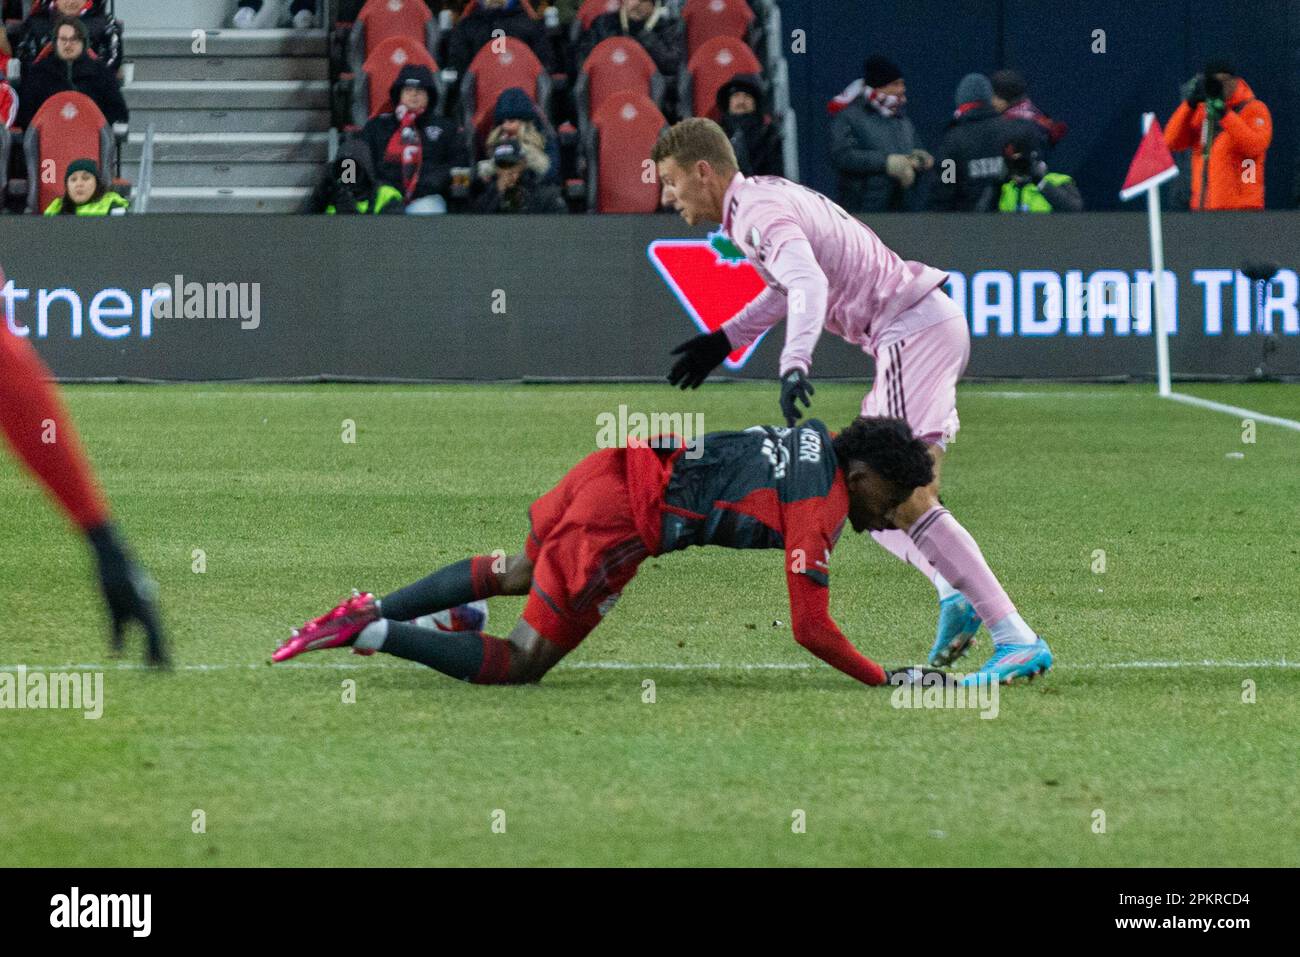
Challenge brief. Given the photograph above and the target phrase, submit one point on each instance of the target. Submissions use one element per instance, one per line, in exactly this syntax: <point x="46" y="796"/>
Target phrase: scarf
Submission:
<point x="886" y="104"/>
<point x="966" y="108"/>
<point x="406" y="149"/>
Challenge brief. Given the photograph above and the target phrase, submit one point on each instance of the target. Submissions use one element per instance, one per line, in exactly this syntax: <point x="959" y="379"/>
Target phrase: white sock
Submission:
<point x="946" y="590"/>
<point x="244" y="18"/>
<point x="373" y="635"/>
<point x="1012" y="630"/>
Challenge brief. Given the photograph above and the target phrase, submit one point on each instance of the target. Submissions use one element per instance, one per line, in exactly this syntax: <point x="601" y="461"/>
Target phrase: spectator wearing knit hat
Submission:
<point x="971" y="157"/>
<point x="874" y="147"/>
<point x="752" y="133"/>
<point x="1010" y="98"/>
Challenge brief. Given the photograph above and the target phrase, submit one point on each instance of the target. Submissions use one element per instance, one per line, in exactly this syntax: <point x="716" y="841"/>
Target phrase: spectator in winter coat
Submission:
<point x="873" y="144"/>
<point x="1010" y="99"/>
<point x="970" y="159"/>
<point x="413" y="149"/>
<point x="515" y="188"/>
<point x="1228" y="132"/>
<point x="103" y="35"/>
<point x="753" y="135"/>
<point x="71" y="68"/>
<point x="1029" y="187"/>
<point x="474" y="32"/>
<point x="517" y="117"/>
<point x="646" y="22"/>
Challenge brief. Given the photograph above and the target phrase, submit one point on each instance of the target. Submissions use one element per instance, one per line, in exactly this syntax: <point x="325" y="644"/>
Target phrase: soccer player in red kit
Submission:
<point x="40" y="433"/>
<point x="826" y="270"/>
<point x="765" y="487"/>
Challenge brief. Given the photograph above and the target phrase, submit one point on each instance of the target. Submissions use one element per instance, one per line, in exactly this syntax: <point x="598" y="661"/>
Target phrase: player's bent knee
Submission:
<point x="532" y="656"/>
<point x="517" y="577"/>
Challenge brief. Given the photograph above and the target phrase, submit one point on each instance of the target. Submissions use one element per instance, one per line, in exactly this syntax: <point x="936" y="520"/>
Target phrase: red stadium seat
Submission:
<point x="371" y="86"/>
<point x="616" y="65"/>
<point x="591" y="9"/>
<point x="490" y="74"/>
<point x="623" y="133"/>
<point x="713" y="64"/>
<point x="67" y="127"/>
<point x="707" y="19"/>
<point x="381" y="19"/>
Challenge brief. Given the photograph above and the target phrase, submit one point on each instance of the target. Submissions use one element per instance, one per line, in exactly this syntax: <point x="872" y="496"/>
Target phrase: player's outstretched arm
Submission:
<point x="41" y="434"/>
<point x="815" y="630"/>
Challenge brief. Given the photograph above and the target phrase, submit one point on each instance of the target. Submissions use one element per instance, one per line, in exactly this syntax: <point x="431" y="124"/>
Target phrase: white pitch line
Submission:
<point x="967" y="396"/>
<point x="1234" y="410"/>
<point x="644" y="666"/>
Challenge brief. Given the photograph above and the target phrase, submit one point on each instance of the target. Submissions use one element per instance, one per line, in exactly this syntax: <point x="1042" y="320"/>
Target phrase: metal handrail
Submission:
<point x="141" y="205"/>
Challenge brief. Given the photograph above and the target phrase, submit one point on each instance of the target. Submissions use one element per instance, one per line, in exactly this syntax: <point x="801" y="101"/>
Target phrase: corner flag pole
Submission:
<point x="1157" y="274"/>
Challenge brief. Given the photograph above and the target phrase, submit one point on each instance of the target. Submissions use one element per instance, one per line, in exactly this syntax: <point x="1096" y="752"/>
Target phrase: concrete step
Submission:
<point x="229" y="174"/>
<point x="226" y="42"/>
<point x="193" y="199"/>
<point x="229" y="69"/>
<point x="231" y="121"/>
<point x="250" y="95"/>
<point x="231" y="148"/>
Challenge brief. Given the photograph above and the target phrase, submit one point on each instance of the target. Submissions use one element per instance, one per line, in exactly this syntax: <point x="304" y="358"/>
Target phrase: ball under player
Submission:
<point x="40" y="433"/>
<point x="766" y="487"/>
<point x="825" y="269"/>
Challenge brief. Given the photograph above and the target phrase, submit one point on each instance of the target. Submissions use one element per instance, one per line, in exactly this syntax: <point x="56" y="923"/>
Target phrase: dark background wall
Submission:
<point x="1151" y="48"/>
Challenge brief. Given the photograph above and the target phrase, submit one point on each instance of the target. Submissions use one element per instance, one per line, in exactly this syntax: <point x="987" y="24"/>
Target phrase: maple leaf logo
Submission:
<point x="712" y="280"/>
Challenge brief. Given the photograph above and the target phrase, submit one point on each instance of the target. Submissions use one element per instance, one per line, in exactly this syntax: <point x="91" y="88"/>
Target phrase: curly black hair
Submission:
<point x="888" y="447"/>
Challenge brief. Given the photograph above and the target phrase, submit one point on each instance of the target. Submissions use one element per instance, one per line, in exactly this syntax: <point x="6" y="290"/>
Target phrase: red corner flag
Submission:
<point x="1152" y="164"/>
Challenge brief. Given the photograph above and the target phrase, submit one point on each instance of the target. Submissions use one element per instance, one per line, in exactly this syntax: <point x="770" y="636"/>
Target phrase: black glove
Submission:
<point x="911" y="676"/>
<point x="1213" y="87"/>
<point x="699" y="357"/>
<point x="1197" y="92"/>
<point x="795" y="385"/>
<point x="129" y="593"/>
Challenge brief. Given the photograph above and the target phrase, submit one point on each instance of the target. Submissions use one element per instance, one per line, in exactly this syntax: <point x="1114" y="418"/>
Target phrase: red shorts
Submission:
<point x="584" y="546"/>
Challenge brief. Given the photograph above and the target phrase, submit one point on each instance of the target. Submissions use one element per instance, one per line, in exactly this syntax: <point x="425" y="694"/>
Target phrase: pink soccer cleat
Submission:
<point x="337" y="627"/>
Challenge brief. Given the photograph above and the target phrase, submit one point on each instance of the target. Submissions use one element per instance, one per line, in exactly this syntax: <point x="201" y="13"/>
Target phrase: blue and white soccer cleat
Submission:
<point x="1010" y="662"/>
<point x="958" y="625"/>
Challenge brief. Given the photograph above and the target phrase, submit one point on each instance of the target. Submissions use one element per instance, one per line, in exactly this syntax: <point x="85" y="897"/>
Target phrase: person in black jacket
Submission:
<point x="104" y="36"/>
<point x="413" y="149"/>
<point x="349" y="186"/>
<point x="71" y="68"/>
<point x="475" y="32"/>
<point x="753" y="135"/>
<point x="516" y="188"/>
<point x="646" y="22"/>
<point x="971" y="159"/>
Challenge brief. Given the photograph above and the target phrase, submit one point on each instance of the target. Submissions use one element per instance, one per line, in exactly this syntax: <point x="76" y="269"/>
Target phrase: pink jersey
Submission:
<point x="823" y="268"/>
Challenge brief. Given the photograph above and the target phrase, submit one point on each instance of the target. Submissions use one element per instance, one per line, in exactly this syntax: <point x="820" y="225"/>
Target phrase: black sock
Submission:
<point x="467" y="655"/>
<point x="446" y="588"/>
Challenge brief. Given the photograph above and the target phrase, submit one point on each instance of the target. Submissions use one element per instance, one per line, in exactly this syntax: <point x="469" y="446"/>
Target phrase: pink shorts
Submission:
<point x="916" y="375"/>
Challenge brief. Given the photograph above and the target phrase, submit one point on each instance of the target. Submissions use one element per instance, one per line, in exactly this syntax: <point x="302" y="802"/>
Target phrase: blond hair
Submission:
<point x="697" y="139"/>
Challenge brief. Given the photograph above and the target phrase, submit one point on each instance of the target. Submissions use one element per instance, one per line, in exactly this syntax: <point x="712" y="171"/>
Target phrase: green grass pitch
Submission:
<point x="1143" y="719"/>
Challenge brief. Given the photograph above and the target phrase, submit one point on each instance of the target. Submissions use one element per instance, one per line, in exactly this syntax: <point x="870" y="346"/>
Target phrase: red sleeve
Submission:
<point x="40" y="432"/>
<point x="1251" y="130"/>
<point x="815" y="630"/>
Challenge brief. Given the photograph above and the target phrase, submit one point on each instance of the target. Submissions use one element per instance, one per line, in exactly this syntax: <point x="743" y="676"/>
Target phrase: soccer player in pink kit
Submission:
<point x="825" y="269"/>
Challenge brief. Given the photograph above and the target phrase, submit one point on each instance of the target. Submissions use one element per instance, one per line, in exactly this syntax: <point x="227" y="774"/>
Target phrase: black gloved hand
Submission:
<point x="913" y="675"/>
<point x="1213" y="87"/>
<point x="129" y="593"/>
<point x="795" y="385"/>
<point x="1196" y="93"/>
<point x="699" y="357"/>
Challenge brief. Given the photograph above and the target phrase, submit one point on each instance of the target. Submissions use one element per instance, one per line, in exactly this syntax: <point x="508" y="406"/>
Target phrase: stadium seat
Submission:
<point x="707" y="19"/>
<point x="713" y="64"/>
<point x="622" y="134"/>
<point x="616" y="65"/>
<point x="371" y="86"/>
<point x="490" y="74"/>
<point x="381" y="19"/>
<point x="67" y="127"/>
